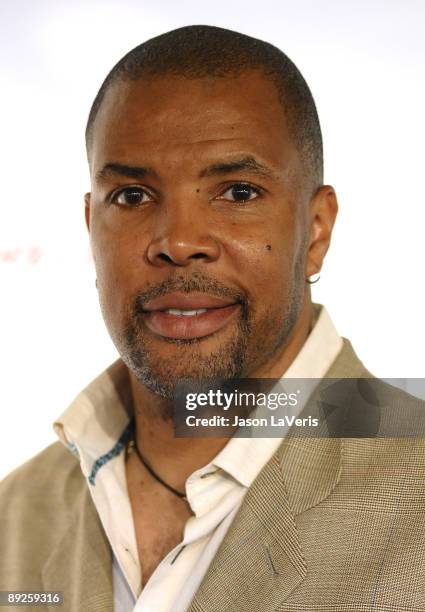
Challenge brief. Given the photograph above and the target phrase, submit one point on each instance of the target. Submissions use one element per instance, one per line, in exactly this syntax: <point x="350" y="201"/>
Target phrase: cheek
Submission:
<point x="263" y="261"/>
<point x="118" y="266"/>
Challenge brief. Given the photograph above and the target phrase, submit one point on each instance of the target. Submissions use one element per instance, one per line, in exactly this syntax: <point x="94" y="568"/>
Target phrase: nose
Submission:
<point x="182" y="239"/>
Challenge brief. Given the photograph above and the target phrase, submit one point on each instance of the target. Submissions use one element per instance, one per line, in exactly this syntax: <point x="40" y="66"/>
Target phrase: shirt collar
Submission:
<point x="95" y="422"/>
<point x="244" y="458"/>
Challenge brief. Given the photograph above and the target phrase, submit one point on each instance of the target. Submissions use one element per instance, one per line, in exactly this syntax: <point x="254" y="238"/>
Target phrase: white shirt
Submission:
<point x="95" y="427"/>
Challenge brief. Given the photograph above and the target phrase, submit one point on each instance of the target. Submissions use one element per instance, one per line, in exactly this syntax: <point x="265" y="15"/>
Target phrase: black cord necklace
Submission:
<point x="132" y="445"/>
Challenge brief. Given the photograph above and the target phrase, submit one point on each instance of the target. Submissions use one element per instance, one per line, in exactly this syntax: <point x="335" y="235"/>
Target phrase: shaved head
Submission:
<point x="196" y="52"/>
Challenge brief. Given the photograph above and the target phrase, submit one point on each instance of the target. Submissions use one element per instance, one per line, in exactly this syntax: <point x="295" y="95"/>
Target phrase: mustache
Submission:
<point x="198" y="282"/>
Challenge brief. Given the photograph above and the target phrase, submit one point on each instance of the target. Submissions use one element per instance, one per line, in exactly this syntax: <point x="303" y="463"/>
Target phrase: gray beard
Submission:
<point x="161" y="376"/>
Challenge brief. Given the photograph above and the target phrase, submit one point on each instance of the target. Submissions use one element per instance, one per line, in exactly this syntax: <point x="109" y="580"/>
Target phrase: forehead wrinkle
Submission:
<point x="235" y="154"/>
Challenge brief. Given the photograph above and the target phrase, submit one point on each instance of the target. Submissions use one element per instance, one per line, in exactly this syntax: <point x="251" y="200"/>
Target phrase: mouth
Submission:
<point x="188" y="315"/>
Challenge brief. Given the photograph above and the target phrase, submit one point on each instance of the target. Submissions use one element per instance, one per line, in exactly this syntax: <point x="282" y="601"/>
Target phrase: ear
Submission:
<point x="87" y="209"/>
<point x="323" y="209"/>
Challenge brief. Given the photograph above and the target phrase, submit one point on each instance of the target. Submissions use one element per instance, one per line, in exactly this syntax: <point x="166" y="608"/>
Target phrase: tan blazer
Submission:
<point x="330" y="525"/>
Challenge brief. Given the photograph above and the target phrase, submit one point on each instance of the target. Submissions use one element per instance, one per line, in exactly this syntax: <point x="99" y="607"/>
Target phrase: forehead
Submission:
<point x="171" y="119"/>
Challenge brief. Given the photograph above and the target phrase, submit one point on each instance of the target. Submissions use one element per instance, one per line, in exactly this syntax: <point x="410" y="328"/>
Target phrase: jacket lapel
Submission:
<point x="81" y="565"/>
<point x="260" y="561"/>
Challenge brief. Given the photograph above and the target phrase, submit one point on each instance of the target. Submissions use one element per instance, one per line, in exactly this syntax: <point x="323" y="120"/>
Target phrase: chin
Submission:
<point x="161" y="368"/>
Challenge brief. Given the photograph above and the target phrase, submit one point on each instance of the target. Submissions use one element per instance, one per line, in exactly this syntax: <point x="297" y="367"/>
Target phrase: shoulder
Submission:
<point x="383" y="449"/>
<point x="377" y="408"/>
<point x="49" y="473"/>
<point x="355" y="403"/>
<point x="38" y="504"/>
<point x="42" y="493"/>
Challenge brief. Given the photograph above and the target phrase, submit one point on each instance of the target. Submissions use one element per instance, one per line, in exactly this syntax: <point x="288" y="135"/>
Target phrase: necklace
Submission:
<point x="133" y="446"/>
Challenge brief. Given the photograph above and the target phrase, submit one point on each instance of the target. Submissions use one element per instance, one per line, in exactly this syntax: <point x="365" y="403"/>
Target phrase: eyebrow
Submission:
<point x="134" y="172"/>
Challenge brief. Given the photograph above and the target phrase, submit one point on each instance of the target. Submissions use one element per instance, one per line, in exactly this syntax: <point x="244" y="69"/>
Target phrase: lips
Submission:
<point x="188" y="315"/>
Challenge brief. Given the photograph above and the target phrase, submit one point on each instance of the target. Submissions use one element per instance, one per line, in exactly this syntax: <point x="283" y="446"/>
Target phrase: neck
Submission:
<point x="175" y="459"/>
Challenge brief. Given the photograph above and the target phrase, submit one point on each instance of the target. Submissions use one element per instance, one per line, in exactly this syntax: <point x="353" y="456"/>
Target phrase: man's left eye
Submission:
<point x="240" y="192"/>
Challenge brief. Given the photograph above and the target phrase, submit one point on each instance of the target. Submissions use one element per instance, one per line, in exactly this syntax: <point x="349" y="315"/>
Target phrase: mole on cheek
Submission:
<point x="269" y="247"/>
<point x="197" y="191"/>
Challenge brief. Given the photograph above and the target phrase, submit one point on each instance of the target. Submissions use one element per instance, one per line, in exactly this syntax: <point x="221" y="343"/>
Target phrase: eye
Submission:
<point x="131" y="196"/>
<point x="240" y="192"/>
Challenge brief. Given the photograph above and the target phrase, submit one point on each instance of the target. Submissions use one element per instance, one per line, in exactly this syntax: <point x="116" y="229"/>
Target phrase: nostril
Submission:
<point x="165" y="257"/>
<point x="198" y="256"/>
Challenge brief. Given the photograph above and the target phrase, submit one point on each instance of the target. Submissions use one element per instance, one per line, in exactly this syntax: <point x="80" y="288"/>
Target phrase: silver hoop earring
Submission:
<point x="314" y="281"/>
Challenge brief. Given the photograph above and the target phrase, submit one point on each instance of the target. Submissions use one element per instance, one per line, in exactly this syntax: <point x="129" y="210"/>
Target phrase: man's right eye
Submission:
<point x="131" y="196"/>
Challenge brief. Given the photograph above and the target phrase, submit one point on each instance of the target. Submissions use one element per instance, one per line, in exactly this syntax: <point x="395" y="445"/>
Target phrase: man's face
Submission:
<point x="199" y="226"/>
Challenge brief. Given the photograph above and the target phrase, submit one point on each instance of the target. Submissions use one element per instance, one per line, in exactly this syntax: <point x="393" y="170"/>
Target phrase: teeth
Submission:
<point x="186" y="313"/>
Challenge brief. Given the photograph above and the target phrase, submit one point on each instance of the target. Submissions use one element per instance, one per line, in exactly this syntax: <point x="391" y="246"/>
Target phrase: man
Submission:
<point x="208" y="217"/>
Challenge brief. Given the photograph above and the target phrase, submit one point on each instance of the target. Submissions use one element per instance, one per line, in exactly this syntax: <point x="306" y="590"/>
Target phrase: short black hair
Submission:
<point x="199" y="51"/>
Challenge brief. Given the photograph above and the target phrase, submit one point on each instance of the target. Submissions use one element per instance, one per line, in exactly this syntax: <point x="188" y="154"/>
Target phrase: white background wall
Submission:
<point x="364" y="61"/>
